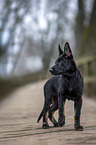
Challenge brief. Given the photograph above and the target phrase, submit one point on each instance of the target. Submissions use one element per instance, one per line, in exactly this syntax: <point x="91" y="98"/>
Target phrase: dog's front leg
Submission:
<point x="61" y="120"/>
<point x="77" y="109"/>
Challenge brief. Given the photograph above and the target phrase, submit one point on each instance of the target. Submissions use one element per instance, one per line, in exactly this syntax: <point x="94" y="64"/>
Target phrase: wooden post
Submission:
<point x="85" y="75"/>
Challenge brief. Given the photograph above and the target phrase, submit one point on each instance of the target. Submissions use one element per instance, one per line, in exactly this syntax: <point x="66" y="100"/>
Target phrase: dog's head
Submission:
<point x="65" y="62"/>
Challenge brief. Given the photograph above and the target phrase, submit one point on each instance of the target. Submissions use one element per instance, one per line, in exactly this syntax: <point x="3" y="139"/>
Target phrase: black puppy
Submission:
<point x="67" y="83"/>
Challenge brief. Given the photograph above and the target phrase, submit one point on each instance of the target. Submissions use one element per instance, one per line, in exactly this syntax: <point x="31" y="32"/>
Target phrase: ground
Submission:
<point x="18" y="120"/>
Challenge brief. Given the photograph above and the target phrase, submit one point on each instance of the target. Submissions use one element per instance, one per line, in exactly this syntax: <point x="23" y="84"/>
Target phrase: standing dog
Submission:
<point x="67" y="83"/>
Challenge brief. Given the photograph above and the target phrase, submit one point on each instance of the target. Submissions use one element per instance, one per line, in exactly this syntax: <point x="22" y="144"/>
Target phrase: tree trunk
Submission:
<point x="79" y="29"/>
<point x="89" y="37"/>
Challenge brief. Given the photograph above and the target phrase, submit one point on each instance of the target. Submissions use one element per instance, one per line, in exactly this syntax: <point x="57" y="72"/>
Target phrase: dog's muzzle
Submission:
<point x="51" y="70"/>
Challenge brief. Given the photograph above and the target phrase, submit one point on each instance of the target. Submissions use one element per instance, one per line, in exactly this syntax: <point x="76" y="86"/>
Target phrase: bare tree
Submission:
<point x="89" y="35"/>
<point x="11" y="17"/>
<point x="79" y="28"/>
<point x="85" y="33"/>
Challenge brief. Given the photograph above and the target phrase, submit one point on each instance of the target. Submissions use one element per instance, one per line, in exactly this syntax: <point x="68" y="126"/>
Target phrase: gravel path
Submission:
<point x="18" y="120"/>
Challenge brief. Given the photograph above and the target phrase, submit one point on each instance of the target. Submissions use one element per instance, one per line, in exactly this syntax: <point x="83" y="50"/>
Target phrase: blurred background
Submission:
<point x="30" y="31"/>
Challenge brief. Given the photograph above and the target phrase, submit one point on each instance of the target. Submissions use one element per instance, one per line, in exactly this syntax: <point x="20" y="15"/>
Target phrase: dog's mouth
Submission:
<point x="54" y="72"/>
<point x="59" y="73"/>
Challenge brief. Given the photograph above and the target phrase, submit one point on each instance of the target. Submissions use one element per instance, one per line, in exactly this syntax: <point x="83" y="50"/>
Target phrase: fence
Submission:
<point x="87" y="65"/>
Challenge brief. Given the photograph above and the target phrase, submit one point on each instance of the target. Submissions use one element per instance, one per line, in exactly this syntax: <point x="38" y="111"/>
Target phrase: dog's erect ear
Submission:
<point x="67" y="49"/>
<point x="60" y="50"/>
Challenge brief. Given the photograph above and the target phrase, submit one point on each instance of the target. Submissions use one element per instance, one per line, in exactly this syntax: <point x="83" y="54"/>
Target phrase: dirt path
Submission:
<point x="18" y="116"/>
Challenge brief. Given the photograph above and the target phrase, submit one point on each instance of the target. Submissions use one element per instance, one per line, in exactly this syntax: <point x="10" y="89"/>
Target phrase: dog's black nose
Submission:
<point x="51" y="70"/>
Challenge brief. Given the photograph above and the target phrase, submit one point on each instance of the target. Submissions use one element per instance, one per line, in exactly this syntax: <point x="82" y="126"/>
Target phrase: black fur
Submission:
<point x="67" y="83"/>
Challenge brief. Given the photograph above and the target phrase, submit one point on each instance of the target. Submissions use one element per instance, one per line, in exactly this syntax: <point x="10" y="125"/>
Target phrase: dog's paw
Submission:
<point x="61" y="122"/>
<point x="45" y="126"/>
<point x="79" y="128"/>
<point x="56" y="124"/>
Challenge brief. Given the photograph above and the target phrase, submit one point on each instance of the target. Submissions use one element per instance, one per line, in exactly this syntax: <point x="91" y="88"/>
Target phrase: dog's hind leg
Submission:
<point x="45" y="119"/>
<point x="77" y="109"/>
<point x="51" y="113"/>
<point x="45" y="114"/>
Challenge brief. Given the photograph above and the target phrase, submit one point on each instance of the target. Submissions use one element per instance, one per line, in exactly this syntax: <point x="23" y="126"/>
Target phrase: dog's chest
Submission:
<point x="69" y="87"/>
<point x="69" y="84"/>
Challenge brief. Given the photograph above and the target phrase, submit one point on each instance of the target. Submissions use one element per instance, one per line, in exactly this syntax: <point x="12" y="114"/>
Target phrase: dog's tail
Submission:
<point x="40" y="116"/>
